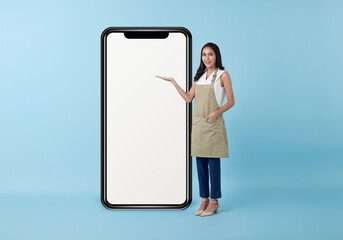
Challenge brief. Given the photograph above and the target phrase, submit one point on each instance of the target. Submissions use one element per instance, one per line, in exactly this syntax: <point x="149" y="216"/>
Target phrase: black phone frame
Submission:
<point x="146" y="32"/>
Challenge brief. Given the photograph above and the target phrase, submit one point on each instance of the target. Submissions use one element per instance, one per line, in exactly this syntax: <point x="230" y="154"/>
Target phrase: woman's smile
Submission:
<point x="208" y="57"/>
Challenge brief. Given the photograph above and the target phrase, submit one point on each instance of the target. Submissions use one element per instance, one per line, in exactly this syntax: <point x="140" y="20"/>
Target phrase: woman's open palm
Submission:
<point x="165" y="78"/>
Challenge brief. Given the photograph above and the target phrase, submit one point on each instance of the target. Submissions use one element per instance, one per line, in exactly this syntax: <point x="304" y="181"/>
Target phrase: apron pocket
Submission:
<point x="209" y="131"/>
<point x="196" y="132"/>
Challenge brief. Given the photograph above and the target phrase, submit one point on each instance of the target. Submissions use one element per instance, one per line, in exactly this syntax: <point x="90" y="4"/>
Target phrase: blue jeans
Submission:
<point x="204" y="166"/>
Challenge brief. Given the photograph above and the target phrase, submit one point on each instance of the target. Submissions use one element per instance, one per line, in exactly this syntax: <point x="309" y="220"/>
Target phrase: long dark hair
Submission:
<point x="202" y="66"/>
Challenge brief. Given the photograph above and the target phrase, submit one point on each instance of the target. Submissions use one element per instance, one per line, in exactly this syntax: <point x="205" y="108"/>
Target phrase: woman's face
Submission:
<point x="208" y="57"/>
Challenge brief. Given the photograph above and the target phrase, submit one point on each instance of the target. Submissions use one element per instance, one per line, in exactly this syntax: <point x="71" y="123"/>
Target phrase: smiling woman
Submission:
<point x="209" y="140"/>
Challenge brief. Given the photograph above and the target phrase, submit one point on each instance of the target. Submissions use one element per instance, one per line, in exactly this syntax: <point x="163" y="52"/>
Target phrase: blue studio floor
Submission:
<point x="246" y="212"/>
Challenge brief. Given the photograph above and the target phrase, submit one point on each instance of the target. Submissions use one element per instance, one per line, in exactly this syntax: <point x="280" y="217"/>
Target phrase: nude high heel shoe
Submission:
<point x="204" y="213"/>
<point x="200" y="211"/>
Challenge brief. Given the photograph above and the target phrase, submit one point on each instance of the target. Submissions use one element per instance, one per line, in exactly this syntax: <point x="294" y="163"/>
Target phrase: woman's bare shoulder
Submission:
<point x="225" y="74"/>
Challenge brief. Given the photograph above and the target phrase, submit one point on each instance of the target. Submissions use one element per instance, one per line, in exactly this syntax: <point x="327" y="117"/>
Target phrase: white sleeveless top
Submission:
<point x="219" y="91"/>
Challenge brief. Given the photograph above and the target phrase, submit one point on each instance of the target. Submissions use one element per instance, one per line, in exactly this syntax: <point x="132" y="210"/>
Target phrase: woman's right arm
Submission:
<point x="188" y="97"/>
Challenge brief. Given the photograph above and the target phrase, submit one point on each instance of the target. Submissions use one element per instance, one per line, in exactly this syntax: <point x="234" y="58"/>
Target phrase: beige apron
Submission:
<point x="209" y="138"/>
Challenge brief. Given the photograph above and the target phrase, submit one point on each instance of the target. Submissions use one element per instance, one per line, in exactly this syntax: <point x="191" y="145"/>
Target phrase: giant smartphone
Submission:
<point x="145" y="123"/>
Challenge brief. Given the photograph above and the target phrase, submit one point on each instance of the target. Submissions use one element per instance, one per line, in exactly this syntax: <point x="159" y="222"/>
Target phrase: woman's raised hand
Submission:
<point x="183" y="94"/>
<point x="170" y="79"/>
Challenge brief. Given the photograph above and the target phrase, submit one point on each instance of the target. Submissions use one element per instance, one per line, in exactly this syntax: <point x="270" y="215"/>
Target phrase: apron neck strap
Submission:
<point x="214" y="76"/>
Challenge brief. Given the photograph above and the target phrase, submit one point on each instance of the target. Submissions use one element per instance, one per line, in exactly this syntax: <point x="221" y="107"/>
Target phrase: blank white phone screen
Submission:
<point x="146" y="120"/>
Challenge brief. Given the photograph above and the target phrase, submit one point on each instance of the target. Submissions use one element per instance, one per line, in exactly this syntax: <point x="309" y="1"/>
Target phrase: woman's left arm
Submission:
<point x="226" y="79"/>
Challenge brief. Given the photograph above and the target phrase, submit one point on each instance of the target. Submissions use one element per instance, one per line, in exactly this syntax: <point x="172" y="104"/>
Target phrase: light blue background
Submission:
<point x="283" y="179"/>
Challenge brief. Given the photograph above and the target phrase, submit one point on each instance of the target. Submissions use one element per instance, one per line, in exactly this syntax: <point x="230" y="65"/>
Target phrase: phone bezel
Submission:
<point x="103" y="149"/>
